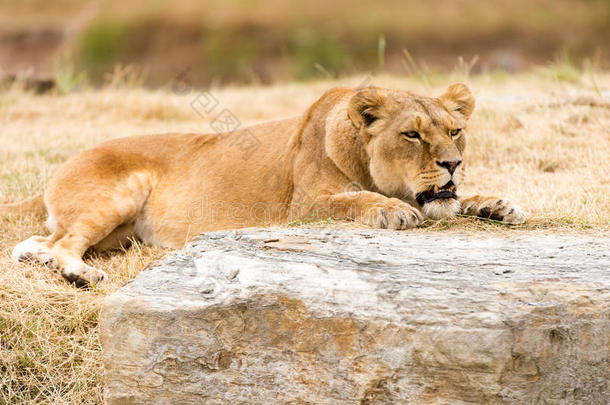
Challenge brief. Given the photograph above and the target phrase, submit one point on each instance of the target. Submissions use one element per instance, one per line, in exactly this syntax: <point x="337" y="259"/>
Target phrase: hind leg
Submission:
<point x="36" y="248"/>
<point x="69" y="250"/>
<point x="120" y="238"/>
<point x="65" y="249"/>
<point x="89" y="197"/>
<point x="64" y="253"/>
<point x="101" y="225"/>
<point x="77" y="230"/>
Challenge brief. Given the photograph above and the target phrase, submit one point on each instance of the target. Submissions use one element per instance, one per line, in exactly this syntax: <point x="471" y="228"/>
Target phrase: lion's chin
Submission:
<point x="441" y="208"/>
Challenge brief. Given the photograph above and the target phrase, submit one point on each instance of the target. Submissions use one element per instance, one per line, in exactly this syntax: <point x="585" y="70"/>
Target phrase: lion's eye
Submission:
<point x="411" y="134"/>
<point x="455" y="132"/>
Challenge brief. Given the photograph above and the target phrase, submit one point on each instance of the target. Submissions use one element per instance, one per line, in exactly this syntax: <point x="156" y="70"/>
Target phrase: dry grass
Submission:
<point x="538" y="140"/>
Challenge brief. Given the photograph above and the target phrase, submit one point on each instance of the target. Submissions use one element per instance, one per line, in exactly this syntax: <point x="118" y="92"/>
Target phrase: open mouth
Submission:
<point x="446" y="191"/>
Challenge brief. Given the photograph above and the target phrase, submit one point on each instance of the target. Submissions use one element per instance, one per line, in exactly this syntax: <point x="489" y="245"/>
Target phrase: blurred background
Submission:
<point x="255" y="41"/>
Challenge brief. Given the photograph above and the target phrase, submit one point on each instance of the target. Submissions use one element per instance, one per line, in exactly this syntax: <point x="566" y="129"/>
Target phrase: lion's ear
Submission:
<point x="365" y="107"/>
<point x="458" y="98"/>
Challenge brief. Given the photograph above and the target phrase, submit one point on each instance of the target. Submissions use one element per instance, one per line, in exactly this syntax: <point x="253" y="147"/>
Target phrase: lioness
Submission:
<point x="386" y="158"/>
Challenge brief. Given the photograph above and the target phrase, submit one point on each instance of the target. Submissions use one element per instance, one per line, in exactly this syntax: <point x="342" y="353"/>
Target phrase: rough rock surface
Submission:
<point x="315" y="316"/>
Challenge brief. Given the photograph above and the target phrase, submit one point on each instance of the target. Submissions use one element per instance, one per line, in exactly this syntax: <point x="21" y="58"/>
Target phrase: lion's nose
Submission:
<point x="450" y="165"/>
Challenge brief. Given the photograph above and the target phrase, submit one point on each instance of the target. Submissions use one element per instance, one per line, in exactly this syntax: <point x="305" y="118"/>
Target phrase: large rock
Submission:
<point x="310" y="316"/>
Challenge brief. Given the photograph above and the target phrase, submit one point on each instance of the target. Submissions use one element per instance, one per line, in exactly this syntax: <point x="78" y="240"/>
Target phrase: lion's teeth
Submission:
<point x="435" y="189"/>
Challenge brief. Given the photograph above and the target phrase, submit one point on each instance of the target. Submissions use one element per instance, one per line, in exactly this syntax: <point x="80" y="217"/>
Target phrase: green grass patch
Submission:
<point x="103" y="43"/>
<point x="313" y="51"/>
<point x="232" y="54"/>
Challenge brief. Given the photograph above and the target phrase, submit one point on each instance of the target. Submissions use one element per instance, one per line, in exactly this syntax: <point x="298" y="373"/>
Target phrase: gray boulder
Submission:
<point x="317" y="316"/>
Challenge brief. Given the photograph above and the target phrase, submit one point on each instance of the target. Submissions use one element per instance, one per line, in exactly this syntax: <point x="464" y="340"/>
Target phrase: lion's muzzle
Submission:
<point x="435" y="193"/>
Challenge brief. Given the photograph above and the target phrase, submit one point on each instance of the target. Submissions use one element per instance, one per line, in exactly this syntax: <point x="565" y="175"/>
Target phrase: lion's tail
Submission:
<point x="33" y="205"/>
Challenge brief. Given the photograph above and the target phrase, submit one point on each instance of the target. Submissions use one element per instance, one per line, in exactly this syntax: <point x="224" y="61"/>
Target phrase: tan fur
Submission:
<point x="33" y="205"/>
<point x="346" y="158"/>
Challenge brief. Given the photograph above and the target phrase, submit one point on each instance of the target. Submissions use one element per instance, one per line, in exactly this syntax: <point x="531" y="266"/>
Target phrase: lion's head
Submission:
<point x="415" y="144"/>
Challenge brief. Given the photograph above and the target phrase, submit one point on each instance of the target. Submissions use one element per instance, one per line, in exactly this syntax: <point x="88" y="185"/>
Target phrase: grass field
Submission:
<point x="541" y="139"/>
<point x="254" y="41"/>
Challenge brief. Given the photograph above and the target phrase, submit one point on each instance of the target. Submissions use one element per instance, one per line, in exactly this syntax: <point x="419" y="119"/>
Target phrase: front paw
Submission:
<point x="494" y="208"/>
<point x="393" y="214"/>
